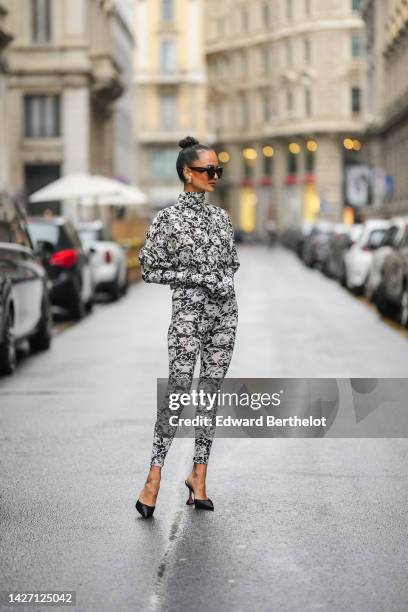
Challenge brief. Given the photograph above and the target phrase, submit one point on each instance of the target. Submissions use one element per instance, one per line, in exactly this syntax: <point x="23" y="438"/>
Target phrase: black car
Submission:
<point x="67" y="264"/>
<point x="25" y="307"/>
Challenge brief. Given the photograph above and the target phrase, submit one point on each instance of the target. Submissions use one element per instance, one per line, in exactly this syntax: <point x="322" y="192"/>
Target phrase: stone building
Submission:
<point x="5" y="39"/>
<point x="286" y="102"/>
<point x="387" y="105"/>
<point x="170" y="81"/>
<point x="64" y="81"/>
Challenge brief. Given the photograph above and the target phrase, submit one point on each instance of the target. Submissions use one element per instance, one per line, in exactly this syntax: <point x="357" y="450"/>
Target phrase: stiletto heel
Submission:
<point x="145" y="510"/>
<point x="190" y="500"/>
<point x="199" y="504"/>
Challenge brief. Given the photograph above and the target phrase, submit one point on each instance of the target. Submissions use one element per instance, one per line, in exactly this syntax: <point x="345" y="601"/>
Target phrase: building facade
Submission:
<point x="286" y="102"/>
<point x="387" y="112"/>
<point x="170" y="81"/>
<point x="64" y="80"/>
<point x="124" y="166"/>
<point x="5" y="40"/>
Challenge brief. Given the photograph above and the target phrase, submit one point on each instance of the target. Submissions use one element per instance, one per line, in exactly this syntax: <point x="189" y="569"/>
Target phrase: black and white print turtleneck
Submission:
<point x="191" y="243"/>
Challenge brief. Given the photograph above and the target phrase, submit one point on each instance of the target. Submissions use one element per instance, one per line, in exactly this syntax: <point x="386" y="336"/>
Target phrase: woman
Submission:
<point x="190" y="246"/>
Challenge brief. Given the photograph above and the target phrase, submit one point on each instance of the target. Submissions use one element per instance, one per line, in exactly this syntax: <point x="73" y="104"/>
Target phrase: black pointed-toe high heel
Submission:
<point x="199" y="504"/>
<point x="145" y="510"/>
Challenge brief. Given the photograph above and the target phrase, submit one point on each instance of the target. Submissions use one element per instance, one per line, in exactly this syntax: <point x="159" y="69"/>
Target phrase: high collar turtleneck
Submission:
<point x="192" y="199"/>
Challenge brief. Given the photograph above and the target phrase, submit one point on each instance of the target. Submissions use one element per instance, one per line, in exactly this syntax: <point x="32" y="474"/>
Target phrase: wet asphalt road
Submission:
<point x="299" y="524"/>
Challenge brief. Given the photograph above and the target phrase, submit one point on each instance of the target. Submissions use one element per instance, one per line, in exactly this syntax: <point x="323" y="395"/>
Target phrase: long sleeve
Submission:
<point x="157" y="261"/>
<point x="225" y="283"/>
<point x="234" y="262"/>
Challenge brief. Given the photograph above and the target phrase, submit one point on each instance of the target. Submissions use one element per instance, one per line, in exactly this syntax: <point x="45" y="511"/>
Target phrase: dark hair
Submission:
<point x="189" y="148"/>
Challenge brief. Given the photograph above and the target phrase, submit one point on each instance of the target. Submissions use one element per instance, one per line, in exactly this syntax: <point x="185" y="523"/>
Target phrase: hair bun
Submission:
<point x="188" y="141"/>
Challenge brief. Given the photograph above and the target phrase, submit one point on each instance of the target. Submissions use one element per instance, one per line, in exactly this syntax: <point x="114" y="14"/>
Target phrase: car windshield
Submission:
<point x="376" y="238"/>
<point x="43" y="231"/>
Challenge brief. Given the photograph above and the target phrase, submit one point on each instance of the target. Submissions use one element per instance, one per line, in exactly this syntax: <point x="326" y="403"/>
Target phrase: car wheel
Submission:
<point x="77" y="309"/>
<point x="403" y="315"/>
<point x="385" y="308"/>
<point x="8" y="354"/>
<point x="115" y="291"/>
<point x="343" y="276"/>
<point x="41" y="340"/>
<point x="89" y="305"/>
<point x="126" y="285"/>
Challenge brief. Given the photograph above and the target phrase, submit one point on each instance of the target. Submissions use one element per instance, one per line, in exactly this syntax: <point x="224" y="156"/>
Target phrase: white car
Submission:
<point x="358" y="258"/>
<point x="108" y="259"/>
<point x="392" y="239"/>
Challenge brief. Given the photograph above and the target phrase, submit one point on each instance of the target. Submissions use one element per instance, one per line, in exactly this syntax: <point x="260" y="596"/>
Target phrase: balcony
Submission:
<point x="161" y="77"/>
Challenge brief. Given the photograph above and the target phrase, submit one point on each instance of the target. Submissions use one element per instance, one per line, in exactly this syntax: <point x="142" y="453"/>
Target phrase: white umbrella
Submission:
<point x="81" y="185"/>
<point x="127" y="195"/>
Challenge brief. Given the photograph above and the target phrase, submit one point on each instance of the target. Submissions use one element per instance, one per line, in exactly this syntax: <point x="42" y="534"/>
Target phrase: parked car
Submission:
<point x="66" y="262"/>
<point x="339" y="247"/>
<point x="392" y="293"/>
<point x="392" y="238"/>
<point x="358" y="257"/>
<point x="340" y="232"/>
<point x="306" y="230"/>
<point x="109" y="259"/>
<point x="314" y="241"/>
<point x="25" y="307"/>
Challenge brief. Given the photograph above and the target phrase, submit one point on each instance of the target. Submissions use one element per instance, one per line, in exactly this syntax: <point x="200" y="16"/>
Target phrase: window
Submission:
<point x="167" y="7"/>
<point x="220" y="67"/>
<point x="164" y="163"/>
<point x="168" y="56"/>
<point x="376" y="238"/>
<point x="244" y="62"/>
<point x="40" y="21"/>
<point x="168" y="111"/>
<point x="355" y="99"/>
<point x="309" y="161"/>
<point x="220" y="27"/>
<point x="243" y="111"/>
<point x="248" y="168"/>
<point x="356" y="45"/>
<point x="307" y="7"/>
<point x="266" y="106"/>
<point x="289" y="53"/>
<point x="289" y="9"/>
<point x="267" y="166"/>
<point x="289" y="101"/>
<point x="244" y="19"/>
<point x="42" y="116"/>
<point x="308" y="102"/>
<point x="355" y="5"/>
<point x="264" y="52"/>
<point x="307" y="50"/>
<point x="390" y="236"/>
<point x="266" y="15"/>
<point x="292" y="163"/>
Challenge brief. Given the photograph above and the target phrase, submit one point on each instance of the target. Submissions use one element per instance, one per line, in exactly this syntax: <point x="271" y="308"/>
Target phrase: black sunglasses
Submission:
<point x="211" y="170"/>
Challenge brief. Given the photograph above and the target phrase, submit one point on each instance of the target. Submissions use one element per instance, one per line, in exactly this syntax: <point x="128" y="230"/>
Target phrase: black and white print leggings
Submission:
<point x="204" y="323"/>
